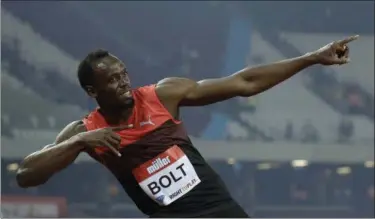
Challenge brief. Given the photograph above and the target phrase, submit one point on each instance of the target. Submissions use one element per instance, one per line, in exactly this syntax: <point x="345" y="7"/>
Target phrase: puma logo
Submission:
<point x="147" y="122"/>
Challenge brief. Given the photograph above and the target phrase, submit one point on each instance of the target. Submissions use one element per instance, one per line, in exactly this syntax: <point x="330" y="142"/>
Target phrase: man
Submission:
<point x="137" y="135"/>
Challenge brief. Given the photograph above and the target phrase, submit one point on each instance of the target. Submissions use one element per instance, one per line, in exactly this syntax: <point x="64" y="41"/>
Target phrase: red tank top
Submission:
<point x="148" y="114"/>
<point x="159" y="164"/>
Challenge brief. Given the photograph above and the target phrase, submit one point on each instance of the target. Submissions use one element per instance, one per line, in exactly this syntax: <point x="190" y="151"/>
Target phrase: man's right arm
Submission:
<point x="39" y="166"/>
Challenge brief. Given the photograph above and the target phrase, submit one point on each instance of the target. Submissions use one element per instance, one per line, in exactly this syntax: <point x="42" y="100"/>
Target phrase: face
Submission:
<point x="111" y="83"/>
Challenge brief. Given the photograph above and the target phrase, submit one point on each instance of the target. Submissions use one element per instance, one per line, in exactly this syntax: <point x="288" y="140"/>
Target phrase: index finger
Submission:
<point x="348" y="40"/>
<point x="122" y="127"/>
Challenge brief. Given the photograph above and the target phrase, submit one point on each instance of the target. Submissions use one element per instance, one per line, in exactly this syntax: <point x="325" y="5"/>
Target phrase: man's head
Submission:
<point x="104" y="77"/>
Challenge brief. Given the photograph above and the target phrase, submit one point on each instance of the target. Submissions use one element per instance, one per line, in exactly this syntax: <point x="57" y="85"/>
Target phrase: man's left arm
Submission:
<point x="249" y="81"/>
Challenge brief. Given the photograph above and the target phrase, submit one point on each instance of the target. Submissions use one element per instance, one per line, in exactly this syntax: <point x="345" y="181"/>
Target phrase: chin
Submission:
<point x="129" y="101"/>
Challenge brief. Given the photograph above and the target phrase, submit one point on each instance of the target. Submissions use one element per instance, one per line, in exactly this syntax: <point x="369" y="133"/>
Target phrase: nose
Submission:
<point x="124" y="81"/>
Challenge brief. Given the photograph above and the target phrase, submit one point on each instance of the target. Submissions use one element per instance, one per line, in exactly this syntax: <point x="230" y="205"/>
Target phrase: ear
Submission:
<point x="91" y="91"/>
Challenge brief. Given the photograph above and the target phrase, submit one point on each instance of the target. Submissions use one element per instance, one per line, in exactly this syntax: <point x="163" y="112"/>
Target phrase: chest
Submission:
<point x="144" y="120"/>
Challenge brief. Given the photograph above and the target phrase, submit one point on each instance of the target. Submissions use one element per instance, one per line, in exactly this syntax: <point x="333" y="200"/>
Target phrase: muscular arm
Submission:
<point x="39" y="166"/>
<point x="247" y="82"/>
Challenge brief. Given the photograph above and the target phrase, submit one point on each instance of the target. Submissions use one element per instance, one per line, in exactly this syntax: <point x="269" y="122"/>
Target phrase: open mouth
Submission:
<point x="127" y="94"/>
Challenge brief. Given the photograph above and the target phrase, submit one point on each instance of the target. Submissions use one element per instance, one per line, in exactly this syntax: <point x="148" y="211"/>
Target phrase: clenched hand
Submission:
<point x="334" y="53"/>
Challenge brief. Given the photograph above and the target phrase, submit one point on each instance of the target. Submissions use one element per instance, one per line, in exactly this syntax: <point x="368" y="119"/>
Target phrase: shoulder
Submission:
<point x="144" y="91"/>
<point x="166" y="84"/>
<point x="174" y="87"/>
<point x="70" y="130"/>
<point x="174" y="82"/>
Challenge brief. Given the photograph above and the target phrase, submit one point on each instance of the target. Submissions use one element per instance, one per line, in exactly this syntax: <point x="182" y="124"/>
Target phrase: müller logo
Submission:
<point x="158" y="164"/>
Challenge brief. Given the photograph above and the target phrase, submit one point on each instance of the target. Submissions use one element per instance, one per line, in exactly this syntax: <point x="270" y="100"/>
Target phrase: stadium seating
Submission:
<point x="27" y="110"/>
<point x="292" y="101"/>
<point x="34" y="49"/>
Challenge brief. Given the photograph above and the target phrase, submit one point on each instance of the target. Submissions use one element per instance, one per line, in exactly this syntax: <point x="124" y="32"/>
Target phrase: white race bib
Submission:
<point x="167" y="177"/>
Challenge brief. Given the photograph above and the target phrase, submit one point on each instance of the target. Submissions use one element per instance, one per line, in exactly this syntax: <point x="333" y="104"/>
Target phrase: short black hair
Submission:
<point x="85" y="69"/>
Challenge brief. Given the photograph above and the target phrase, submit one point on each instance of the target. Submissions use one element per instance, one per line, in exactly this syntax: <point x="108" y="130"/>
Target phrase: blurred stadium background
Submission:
<point x="302" y="149"/>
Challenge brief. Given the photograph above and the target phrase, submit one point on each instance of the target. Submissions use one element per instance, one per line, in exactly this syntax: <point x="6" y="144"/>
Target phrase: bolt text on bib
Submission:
<point x="166" y="180"/>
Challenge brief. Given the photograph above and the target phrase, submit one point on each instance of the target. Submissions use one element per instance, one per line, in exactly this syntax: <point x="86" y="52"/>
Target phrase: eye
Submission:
<point x="112" y="80"/>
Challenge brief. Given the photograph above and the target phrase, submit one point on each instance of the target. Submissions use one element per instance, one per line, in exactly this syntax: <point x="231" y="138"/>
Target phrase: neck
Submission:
<point x="115" y="115"/>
